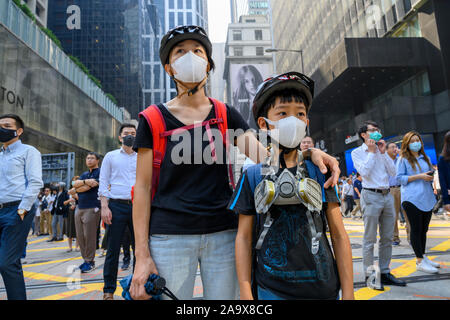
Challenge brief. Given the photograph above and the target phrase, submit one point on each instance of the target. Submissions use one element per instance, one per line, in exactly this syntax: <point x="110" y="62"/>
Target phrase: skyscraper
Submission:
<point x="384" y="60"/>
<point x="106" y="36"/>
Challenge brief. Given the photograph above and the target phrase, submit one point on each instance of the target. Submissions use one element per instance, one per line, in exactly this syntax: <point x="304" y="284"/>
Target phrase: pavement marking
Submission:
<point x="48" y="277"/>
<point x="444" y="246"/>
<point x="367" y="293"/>
<point x="431" y="297"/>
<point x="37" y="241"/>
<point x="85" y="288"/>
<point x="50" y="262"/>
<point x="48" y="249"/>
<point x="405" y="269"/>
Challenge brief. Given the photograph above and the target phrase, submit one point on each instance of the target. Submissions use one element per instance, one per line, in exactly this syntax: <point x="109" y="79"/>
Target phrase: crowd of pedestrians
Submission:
<point x="177" y="215"/>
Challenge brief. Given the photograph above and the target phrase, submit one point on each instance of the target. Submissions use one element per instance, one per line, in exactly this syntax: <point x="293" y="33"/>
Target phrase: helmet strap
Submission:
<point x="190" y="92"/>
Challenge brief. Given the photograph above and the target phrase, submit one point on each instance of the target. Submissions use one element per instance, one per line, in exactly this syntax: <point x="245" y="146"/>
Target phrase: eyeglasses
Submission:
<point x="186" y="29"/>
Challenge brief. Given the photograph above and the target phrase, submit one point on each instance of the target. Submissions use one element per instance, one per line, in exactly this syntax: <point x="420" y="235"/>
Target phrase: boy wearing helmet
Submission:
<point x="182" y="207"/>
<point x="282" y="250"/>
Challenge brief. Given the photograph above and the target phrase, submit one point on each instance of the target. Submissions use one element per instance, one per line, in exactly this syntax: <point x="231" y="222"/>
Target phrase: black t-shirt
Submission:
<point x="285" y="264"/>
<point x="89" y="199"/>
<point x="192" y="197"/>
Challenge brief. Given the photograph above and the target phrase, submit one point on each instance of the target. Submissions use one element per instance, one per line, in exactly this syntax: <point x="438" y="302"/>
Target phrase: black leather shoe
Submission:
<point x="51" y="240"/>
<point x="388" y="278"/>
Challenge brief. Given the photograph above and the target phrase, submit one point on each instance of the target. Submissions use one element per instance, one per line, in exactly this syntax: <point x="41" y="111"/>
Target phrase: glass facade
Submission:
<point x="107" y="43"/>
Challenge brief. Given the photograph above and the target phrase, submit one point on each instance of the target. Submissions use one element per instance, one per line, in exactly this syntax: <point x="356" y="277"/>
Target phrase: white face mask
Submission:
<point x="289" y="132"/>
<point x="190" y="68"/>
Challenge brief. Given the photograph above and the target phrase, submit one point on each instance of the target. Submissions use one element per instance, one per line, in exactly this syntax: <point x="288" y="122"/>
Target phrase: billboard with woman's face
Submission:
<point x="245" y="79"/>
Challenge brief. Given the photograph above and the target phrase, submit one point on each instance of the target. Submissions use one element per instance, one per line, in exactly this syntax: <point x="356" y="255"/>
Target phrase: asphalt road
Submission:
<point x="51" y="273"/>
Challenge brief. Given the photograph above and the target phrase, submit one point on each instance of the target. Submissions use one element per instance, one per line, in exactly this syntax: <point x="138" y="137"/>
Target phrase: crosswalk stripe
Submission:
<point x="444" y="246"/>
<point x="367" y="293"/>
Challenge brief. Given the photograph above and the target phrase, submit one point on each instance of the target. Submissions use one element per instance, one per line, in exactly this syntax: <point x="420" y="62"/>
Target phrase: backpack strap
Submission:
<point x="157" y="126"/>
<point x="222" y="121"/>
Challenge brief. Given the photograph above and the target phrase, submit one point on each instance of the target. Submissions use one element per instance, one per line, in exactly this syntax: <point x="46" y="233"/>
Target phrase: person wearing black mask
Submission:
<point x="117" y="176"/>
<point x="20" y="183"/>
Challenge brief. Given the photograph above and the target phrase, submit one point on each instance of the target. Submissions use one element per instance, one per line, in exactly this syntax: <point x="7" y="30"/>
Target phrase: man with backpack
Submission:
<point x="282" y="252"/>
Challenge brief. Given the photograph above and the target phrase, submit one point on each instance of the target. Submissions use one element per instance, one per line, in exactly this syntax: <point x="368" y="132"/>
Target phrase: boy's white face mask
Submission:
<point x="289" y="132"/>
<point x="190" y="68"/>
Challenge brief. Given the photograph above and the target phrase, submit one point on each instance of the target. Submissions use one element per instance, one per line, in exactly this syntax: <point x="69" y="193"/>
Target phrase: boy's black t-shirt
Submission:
<point x="285" y="264"/>
<point x="191" y="198"/>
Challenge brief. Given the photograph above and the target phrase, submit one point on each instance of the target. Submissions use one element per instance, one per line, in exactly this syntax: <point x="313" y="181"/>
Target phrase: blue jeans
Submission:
<point x="178" y="256"/>
<point x="57" y="220"/>
<point x="13" y="236"/>
<point x="121" y="220"/>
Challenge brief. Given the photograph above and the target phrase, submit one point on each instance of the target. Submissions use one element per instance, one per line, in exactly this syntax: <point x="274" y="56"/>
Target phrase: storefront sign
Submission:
<point x="351" y="139"/>
<point x="10" y="97"/>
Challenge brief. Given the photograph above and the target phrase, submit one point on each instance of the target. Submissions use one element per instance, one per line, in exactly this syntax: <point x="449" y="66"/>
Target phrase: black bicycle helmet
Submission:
<point x="181" y="33"/>
<point x="289" y="80"/>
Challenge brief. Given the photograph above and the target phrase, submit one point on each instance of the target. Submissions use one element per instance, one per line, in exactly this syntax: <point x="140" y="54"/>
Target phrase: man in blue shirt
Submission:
<point x="20" y="183"/>
<point x="87" y="214"/>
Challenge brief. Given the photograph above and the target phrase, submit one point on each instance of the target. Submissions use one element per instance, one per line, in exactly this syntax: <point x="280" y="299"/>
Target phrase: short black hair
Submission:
<point x="310" y="138"/>
<point x="387" y="146"/>
<point x="93" y="154"/>
<point x="19" y="122"/>
<point x="363" y="127"/>
<point x="285" y="96"/>
<point x="126" y="125"/>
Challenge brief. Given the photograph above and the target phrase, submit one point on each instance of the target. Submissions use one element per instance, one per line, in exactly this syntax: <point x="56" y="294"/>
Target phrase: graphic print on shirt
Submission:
<point x="288" y="246"/>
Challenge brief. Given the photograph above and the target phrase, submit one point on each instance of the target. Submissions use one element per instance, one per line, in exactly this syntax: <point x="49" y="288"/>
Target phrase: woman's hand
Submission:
<point x="142" y="271"/>
<point x="426" y="177"/>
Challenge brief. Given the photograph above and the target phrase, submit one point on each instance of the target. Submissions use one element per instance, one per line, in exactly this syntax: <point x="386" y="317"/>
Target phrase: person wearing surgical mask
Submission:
<point x="415" y="174"/>
<point x="20" y="184"/>
<point x="186" y="218"/>
<point x="117" y="176"/>
<point x="281" y="111"/>
<point x="377" y="203"/>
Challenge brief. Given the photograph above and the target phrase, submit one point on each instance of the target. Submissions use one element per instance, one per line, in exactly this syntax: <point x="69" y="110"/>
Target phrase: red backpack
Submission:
<point x="157" y="126"/>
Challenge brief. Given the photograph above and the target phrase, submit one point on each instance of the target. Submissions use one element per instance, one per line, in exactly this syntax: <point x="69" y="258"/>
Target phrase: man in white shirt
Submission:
<point x="117" y="176"/>
<point x="375" y="167"/>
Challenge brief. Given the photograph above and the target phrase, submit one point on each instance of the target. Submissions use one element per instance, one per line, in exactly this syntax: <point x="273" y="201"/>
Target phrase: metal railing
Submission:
<point x="26" y="30"/>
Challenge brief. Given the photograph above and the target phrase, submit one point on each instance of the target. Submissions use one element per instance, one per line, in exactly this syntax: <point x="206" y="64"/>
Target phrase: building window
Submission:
<point x="180" y="4"/>
<point x="189" y="18"/>
<point x="188" y="4"/>
<point x="238" y="51"/>
<point x="259" y="51"/>
<point x="180" y="19"/>
<point x="171" y="20"/>
<point x="258" y="35"/>
<point x="171" y="4"/>
<point x="237" y="35"/>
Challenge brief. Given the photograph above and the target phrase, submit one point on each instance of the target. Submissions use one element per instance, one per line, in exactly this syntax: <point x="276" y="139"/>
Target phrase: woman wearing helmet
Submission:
<point x="187" y="217"/>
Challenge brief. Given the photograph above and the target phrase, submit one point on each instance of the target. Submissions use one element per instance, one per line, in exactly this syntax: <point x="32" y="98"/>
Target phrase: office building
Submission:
<point x="106" y="36"/>
<point x="63" y="110"/>
<point x="384" y="60"/>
